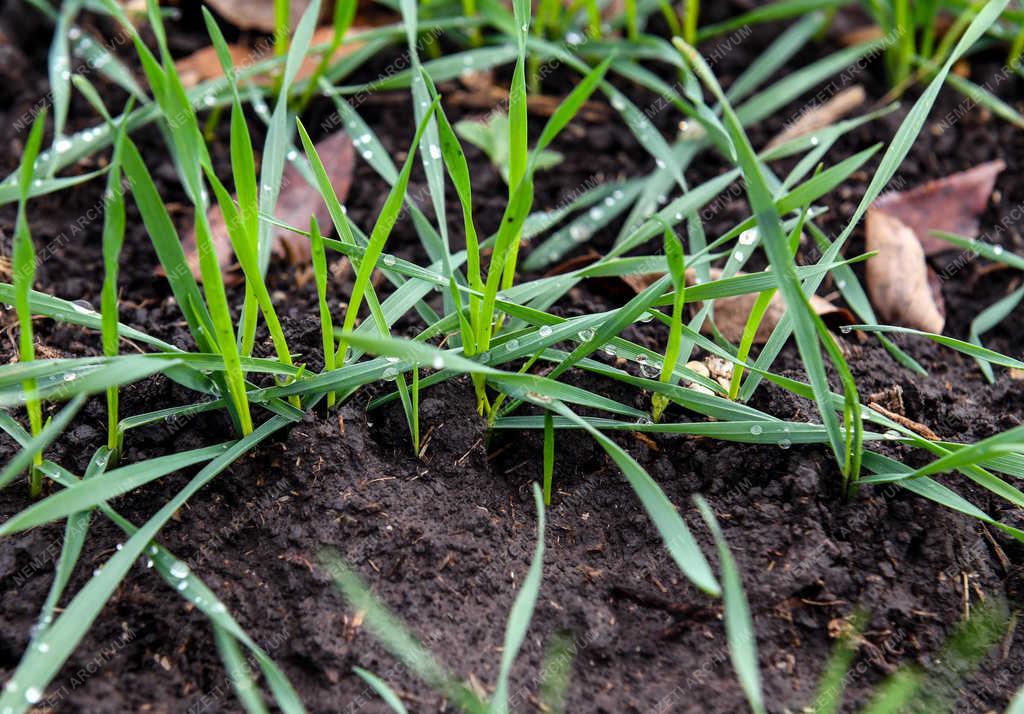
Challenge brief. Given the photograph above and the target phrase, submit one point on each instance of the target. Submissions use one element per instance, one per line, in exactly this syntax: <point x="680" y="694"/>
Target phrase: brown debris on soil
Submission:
<point x="295" y="204"/>
<point x="951" y="204"/>
<point x="731" y="313"/>
<point x="203" y="64"/>
<point x="899" y="281"/>
<point x="902" y="286"/>
<point x="821" y="116"/>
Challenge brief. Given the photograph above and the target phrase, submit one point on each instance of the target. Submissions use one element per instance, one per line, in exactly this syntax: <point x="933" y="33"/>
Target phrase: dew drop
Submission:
<point x="659" y="163"/>
<point x="390" y="373"/>
<point x="545" y="331"/>
<point x="748" y="237"/>
<point x="388" y="260"/>
<point x="62" y="145"/>
<point x="83" y="306"/>
<point x="578" y="233"/>
<point x="618" y="103"/>
<point x="998" y="250"/>
<point x="219" y="607"/>
<point x="182" y="586"/>
<point x="585" y="335"/>
<point x="209" y="100"/>
<point x="785" y="444"/>
<point x="438" y="362"/>
<point x="12" y="686"/>
<point x="149" y="563"/>
<point x="367" y="155"/>
<point x="738" y="255"/>
<point x="756" y="429"/>
<point x="70" y="377"/>
<point x="617" y="194"/>
<point x="596" y="213"/>
<point x="609" y="201"/>
<point x="891" y="435"/>
<point x="33" y="695"/>
<point x="814" y="141"/>
<point x="153" y="550"/>
<point x="841" y="284"/>
<point x="526" y="27"/>
<point x="641" y="359"/>
<point x="435" y="152"/>
<point x="610" y="350"/>
<point x="292" y="154"/>
<point x="365" y="139"/>
<point x="846" y="329"/>
<point x="43" y="647"/>
<point x="512" y="345"/>
<point x="179" y="569"/>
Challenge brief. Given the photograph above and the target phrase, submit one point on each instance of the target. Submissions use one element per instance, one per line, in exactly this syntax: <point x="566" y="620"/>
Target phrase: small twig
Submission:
<point x="915" y="426"/>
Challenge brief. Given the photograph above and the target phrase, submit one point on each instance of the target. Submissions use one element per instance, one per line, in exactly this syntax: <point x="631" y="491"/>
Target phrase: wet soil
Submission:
<point x="445" y="539"/>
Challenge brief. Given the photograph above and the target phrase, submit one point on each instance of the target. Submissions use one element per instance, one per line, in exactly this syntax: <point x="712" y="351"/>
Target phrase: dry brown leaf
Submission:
<point x="822" y="115"/>
<point x="295" y="204"/>
<point x="951" y="204"/>
<point x="861" y="35"/>
<point x="203" y="65"/>
<point x="256" y="14"/>
<point x="731" y="313"/>
<point x="898" y="281"/>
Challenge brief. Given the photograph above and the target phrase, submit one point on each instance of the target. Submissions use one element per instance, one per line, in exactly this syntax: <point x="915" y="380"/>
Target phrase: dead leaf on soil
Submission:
<point x="951" y="204"/>
<point x="901" y="285"/>
<point x="295" y="204"/>
<point x="731" y="313"/>
<point x="256" y="14"/>
<point x="203" y="65"/>
<point x="861" y="35"/>
<point x="822" y="115"/>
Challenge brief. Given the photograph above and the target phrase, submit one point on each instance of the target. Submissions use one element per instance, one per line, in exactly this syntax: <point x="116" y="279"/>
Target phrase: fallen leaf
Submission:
<point x="296" y="202"/>
<point x="203" y="65"/>
<point x="951" y="204"/>
<point x="731" y="313"/>
<point x="256" y="14"/>
<point x="822" y="115"/>
<point x="861" y="35"/>
<point x="901" y="285"/>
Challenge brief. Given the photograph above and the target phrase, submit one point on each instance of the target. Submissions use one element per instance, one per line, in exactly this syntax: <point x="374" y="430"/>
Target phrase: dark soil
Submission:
<point x="445" y="541"/>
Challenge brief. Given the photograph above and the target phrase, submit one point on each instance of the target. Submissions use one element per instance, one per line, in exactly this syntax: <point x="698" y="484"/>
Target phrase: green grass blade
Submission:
<point x="89" y="494"/>
<point x="521" y="614"/>
<point x="378" y="237"/>
<point x="23" y="274"/>
<point x="988" y="319"/>
<point x="678" y="539"/>
<point x="33" y="448"/>
<point x="382" y="689"/>
<point x="239" y="673"/>
<point x="37" y="668"/>
<point x="396" y="638"/>
<point x="806" y="323"/>
<point x="739" y="625"/>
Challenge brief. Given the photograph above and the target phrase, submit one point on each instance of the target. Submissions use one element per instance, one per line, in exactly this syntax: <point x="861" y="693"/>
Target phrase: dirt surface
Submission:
<point x="445" y="541"/>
